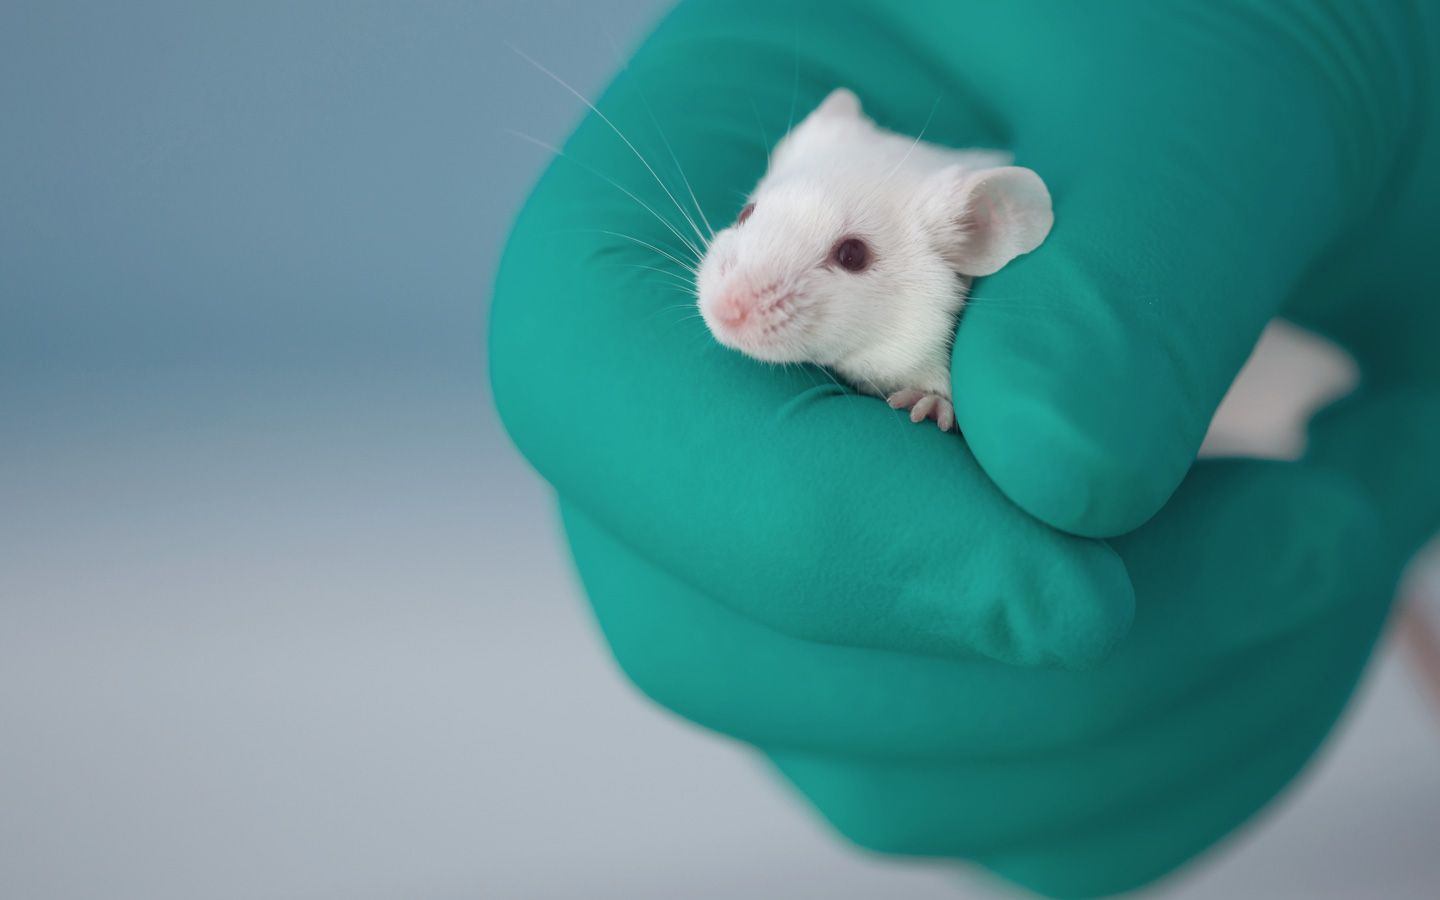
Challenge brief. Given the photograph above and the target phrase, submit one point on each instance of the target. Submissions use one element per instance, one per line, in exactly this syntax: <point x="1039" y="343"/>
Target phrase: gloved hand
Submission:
<point x="1246" y="644"/>
<point x="788" y="562"/>
<point x="1259" y="591"/>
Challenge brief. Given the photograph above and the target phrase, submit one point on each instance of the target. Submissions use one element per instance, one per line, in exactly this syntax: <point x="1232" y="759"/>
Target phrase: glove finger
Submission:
<point x="972" y="809"/>
<point x="1207" y="615"/>
<point x="1247" y="551"/>
<point x="1085" y="374"/>
<point x="1102" y="858"/>
<point x="1389" y="440"/>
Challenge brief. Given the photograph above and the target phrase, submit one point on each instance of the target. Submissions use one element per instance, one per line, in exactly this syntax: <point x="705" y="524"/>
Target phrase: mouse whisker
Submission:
<point x="690" y="310"/>
<point x="693" y="270"/>
<point x="673" y="308"/>
<point x="934" y="106"/>
<point x="990" y="298"/>
<point x="625" y="66"/>
<point x="1016" y="307"/>
<point x="990" y="302"/>
<point x="676" y="324"/>
<point x="688" y="267"/>
<point x="795" y="88"/>
<point x="697" y="341"/>
<point x="764" y="137"/>
<point x="844" y="388"/>
<point x="679" y="168"/>
<point x="606" y="119"/>
<point x="648" y="208"/>
<point x="680" y="280"/>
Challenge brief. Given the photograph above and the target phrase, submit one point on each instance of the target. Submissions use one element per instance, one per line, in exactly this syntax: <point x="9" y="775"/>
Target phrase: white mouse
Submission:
<point x="856" y="251"/>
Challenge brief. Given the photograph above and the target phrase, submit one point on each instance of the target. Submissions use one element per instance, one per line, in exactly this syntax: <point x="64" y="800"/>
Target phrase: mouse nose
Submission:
<point x="733" y="309"/>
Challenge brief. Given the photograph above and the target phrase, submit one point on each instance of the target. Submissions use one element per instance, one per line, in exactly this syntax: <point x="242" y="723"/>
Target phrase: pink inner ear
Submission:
<point x="982" y="214"/>
<point x="1006" y="213"/>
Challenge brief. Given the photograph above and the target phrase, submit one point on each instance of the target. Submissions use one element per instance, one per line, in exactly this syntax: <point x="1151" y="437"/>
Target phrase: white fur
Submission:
<point x="932" y="218"/>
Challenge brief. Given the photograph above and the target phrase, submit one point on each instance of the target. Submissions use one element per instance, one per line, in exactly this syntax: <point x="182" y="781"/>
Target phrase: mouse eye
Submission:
<point x="851" y="254"/>
<point x="745" y="213"/>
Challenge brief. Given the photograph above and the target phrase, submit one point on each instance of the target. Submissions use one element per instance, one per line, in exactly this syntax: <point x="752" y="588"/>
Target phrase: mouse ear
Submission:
<point x="842" y="102"/>
<point x="988" y="217"/>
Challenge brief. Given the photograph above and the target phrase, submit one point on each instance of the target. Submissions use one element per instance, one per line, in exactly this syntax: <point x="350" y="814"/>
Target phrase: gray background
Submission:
<point x="282" y="614"/>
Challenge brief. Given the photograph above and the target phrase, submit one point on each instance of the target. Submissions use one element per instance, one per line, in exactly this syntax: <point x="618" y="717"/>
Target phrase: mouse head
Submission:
<point x="856" y="234"/>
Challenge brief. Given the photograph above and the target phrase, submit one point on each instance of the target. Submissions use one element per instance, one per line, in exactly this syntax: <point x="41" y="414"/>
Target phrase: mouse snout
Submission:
<point x="742" y="304"/>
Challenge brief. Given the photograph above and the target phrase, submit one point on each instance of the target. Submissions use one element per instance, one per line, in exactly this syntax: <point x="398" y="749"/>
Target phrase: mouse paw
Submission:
<point x="924" y="406"/>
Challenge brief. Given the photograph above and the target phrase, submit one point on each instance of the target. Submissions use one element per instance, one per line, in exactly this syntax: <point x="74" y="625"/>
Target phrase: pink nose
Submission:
<point x="733" y="309"/>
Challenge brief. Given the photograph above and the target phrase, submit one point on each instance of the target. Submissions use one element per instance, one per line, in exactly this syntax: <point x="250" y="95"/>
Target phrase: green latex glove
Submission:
<point x="1074" y="784"/>
<point x="1259" y="590"/>
<point x="796" y="565"/>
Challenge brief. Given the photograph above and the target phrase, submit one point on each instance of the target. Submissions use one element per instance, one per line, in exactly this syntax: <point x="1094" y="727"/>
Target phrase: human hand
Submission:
<point x="1246" y="644"/>
<point x="813" y="522"/>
